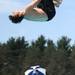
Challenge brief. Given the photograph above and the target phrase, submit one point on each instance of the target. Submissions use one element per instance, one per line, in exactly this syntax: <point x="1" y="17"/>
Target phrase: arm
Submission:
<point x="27" y="9"/>
<point x="17" y="16"/>
<point x="30" y="6"/>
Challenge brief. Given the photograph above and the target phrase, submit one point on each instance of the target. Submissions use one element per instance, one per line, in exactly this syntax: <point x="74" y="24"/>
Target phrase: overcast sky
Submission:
<point x="63" y="24"/>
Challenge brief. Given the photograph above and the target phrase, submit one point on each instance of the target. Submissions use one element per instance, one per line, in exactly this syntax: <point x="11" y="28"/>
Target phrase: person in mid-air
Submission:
<point x="37" y="10"/>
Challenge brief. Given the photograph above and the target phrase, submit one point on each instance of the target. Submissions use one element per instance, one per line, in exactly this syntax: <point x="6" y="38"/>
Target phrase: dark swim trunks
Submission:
<point x="48" y="7"/>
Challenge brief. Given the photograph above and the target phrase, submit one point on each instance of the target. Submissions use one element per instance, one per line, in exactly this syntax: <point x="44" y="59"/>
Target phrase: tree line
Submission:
<point x="17" y="55"/>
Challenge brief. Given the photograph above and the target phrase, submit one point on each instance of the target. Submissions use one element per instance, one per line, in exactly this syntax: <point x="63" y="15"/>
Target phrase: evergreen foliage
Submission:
<point x="16" y="55"/>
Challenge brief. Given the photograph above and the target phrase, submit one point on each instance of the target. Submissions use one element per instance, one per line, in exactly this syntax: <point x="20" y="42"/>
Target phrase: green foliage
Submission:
<point x="18" y="43"/>
<point x="64" y="44"/>
<point x="16" y="55"/>
<point x="40" y="43"/>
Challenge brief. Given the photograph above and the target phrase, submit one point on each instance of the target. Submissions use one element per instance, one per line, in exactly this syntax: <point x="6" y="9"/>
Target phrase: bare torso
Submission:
<point x="36" y="14"/>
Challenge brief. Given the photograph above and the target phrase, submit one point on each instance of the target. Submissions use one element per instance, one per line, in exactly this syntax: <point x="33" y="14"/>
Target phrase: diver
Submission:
<point x="37" y="10"/>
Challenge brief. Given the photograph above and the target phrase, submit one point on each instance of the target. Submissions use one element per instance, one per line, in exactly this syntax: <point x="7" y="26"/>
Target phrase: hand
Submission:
<point x="18" y="13"/>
